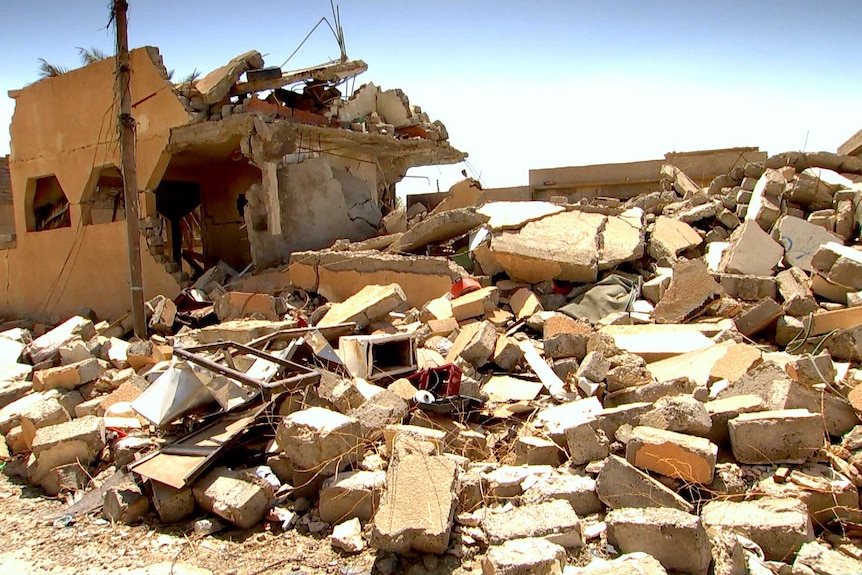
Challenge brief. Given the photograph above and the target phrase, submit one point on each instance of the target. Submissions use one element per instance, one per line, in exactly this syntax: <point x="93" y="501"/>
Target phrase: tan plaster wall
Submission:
<point x="66" y="126"/>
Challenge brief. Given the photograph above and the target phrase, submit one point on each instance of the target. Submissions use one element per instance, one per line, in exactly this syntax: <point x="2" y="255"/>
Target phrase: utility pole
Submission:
<point x="126" y="126"/>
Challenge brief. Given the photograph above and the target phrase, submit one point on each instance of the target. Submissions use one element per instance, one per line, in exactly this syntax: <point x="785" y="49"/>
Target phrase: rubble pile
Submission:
<point x="665" y="384"/>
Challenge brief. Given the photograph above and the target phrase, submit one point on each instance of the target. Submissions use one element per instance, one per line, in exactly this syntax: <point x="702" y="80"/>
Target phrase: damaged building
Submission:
<point x="245" y="166"/>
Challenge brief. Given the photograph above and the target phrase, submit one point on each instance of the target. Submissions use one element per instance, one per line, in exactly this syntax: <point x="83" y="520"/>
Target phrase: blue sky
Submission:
<point x="520" y="85"/>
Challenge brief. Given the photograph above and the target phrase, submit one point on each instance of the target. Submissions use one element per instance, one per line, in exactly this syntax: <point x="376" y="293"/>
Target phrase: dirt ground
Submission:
<point x="91" y="545"/>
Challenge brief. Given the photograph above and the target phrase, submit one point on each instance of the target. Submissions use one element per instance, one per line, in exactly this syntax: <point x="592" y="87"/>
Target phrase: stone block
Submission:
<point x="778" y="436"/>
<point x="554" y="520"/>
<point x="662" y="533"/>
<point x="475" y="303"/>
<point x="347" y="536"/>
<point x="671" y="237"/>
<point x="620" y="484"/>
<point x="352" y="494"/>
<point x="371" y="303"/>
<point x="67" y="376"/>
<point x="758" y="317"/>
<point x="752" y="251"/>
<point x="507" y="353"/>
<point x="594" y="367"/>
<point x="475" y="344"/>
<point x="780" y="526"/>
<point x="672" y="454"/>
<point x="234" y="496"/>
<point x="418" y="505"/>
<point x="528" y="556"/>
<point x="795" y="290"/>
<point x="171" y="504"/>
<point x="681" y="413"/>
<point x="320" y="440"/>
<point x="578" y="490"/>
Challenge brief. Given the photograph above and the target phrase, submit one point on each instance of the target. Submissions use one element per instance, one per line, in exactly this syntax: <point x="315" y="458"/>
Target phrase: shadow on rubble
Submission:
<point x="414" y="564"/>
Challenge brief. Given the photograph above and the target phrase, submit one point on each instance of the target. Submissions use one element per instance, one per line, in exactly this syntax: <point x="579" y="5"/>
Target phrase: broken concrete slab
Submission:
<point x="801" y="240"/>
<point x="671" y="237"/>
<point x="48" y="345"/>
<point x="42" y="414"/>
<point x="662" y="532"/>
<point x="418" y="505"/>
<point x="513" y="215"/>
<point x="627" y="564"/>
<point x="337" y="275"/>
<point x="721" y="411"/>
<point x="524" y="303"/>
<point x="758" y="317"/>
<point x="655" y="342"/>
<point x="748" y="288"/>
<point x="817" y="558"/>
<point x="67" y="376"/>
<point x="125" y="503"/>
<point x="839" y="264"/>
<point x="370" y="304"/>
<point x="795" y="289"/>
<point x="554" y="520"/>
<point x="680" y="413"/>
<point x="347" y="536"/>
<point x="620" y="484"/>
<point x="234" y="496"/>
<point x="475" y="344"/>
<point x="690" y="290"/>
<point x="780" y="526"/>
<point x="672" y="454"/>
<point x="578" y="490"/>
<point x="216" y="85"/>
<point x="438" y="228"/>
<point x="78" y="440"/>
<point x="779" y="436"/>
<point x="827" y="494"/>
<point x="752" y="251"/>
<point x="528" y="556"/>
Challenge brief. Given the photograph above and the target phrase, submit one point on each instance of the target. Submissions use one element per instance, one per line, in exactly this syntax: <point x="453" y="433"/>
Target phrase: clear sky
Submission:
<point x="519" y="85"/>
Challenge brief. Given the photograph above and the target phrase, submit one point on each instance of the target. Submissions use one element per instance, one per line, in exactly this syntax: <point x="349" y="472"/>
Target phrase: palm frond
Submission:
<point x="48" y="70"/>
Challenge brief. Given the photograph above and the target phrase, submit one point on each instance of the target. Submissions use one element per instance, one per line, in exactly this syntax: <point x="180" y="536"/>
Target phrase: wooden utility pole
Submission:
<point x="130" y="173"/>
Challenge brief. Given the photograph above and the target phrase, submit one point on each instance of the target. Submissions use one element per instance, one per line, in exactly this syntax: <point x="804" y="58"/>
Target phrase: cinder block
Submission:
<point x="672" y="454"/>
<point x="779" y="436"/>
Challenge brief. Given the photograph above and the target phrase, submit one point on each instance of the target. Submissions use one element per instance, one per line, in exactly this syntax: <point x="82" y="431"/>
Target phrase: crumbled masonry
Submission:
<point x="662" y="381"/>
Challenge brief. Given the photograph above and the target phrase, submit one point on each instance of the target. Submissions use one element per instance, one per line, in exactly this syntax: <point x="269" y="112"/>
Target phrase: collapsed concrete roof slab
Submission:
<point x="323" y="73"/>
<point x="216" y="85"/>
<point x="438" y="228"/>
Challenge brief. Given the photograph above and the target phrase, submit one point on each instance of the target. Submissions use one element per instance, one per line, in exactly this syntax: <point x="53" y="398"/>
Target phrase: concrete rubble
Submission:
<point x="701" y="414"/>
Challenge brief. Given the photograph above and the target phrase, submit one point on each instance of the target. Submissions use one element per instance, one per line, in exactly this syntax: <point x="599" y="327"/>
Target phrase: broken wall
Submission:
<point x="59" y="129"/>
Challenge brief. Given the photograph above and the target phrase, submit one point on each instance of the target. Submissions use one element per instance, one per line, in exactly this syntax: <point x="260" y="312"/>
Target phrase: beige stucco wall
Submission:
<point x="66" y="126"/>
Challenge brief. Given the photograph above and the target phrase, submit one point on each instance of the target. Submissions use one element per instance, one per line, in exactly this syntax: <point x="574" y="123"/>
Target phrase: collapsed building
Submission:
<point x="243" y="166"/>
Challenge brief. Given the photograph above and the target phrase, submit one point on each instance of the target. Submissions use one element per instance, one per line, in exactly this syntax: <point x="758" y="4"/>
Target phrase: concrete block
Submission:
<point x="779" y="526"/>
<point x="841" y="265"/>
<point x="531" y="450"/>
<point x="47" y="346"/>
<point x="529" y="556"/>
<point x="230" y="306"/>
<point x="620" y="484"/>
<point x="352" y="494"/>
<point x="651" y="392"/>
<point x="476" y="344"/>
<point x="587" y="442"/>
<point x="13" y="388"/>
<point x="812" y="369"/>
<point x="691" y="288"/>
<point x="74" y="351"/>
<point x="320" y="440"/>
<point x="564" y="345"/>
<point x="507" y="481"/>
<point x="71" y="477"/>
<point x="815" y="557"/>
<point x="721" y="411"/>
<point x="234" y="496"/>
<point x="628" y="564"/>
<point x="125" y="503"/>
<point x="347" y="536"/>
<point x="475" y="303"/>
<point x="654" y="289"/>
<point x="681" y="413"/>
<point x="594" y="367"/>
<point x="794" y="287"/>
<point x="41" y="414"/>
<point x="78" y="440"/>
<point x="67" y="376"/>
<point x="507" y="353"/>
<point x="670" y="237"/>
<point x="746" y="287"/>
<point x="801" y="240"/>
<point x="371" y="303"/>
<point x="554" y="520"/>
<point x="378" y="411"/>
<point x="172" y="505"/>
<point x="578" y="490"/>
<point x="662" y="533"/>
<point x="752" y="251"/>
<point x="418" y="505"/>
<point x="736" y="362"/>
<point x="672" y="454"/>
<point x="524" y="303"/>
<point x="758" y="317"/>
<point x="779" y="436"/>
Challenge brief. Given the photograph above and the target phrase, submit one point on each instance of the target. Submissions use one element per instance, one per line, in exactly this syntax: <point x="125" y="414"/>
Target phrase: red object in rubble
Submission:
<point x="464" y="285"/>
<point x="442" y="381"/>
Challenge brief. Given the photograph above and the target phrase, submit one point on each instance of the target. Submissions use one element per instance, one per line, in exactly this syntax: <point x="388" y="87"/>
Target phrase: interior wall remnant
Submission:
<point x="104" y="202"/>
<point x="48" y="206"/>
<point x="7" y="210"/>
<point x="318" y="204"/>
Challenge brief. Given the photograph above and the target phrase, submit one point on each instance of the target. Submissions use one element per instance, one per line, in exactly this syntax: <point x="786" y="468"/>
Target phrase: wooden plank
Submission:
<point x="192" y="454"/>
<point x="826" y="321"/>
<point x="852" y="147"/>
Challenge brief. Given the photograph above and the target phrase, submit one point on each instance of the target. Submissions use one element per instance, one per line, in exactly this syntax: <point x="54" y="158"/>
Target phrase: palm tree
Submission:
<point x="92" y="55"/>
<point x="48" y="70"/>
